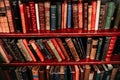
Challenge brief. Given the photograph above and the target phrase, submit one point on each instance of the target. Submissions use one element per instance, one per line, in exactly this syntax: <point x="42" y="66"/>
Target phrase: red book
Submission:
<point x="33" y="15"/>
<point x="93" y="19"/>
<point x="80" y="15"/>
<point x="110" y="48"/>
<point x="42" y="15"/>
<point x="22" y="7"/>
<point x="58" y="48"/>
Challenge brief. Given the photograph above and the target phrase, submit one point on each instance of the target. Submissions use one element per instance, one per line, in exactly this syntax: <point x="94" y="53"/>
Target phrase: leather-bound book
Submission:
<point x="72" y="49"/>
<point x="89" y="44"/>
<point x="41" y="73"/>
<point x="77" y="72"/>
<point x="48" y="67"/>
<point x="87" y="72"/>
<point x="35" y="72"/>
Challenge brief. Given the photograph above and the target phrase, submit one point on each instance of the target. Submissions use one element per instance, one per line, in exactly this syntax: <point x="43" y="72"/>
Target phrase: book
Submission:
<point x="47" y="15"/>
<point x="41" y="73"/>
<point x="75" y="14"/>
<point x="62" y="72"/>
<point x="93" y="17"/>
<point x="60" y="43"/>
<point x="116" y="50"/>
<point x="56" y="74"/>
<point x="64" y="14"/>
<point x="47" y="70"/>
<point x="72" y="48"/>
<point x="87" y="72"/>
<point x="42" y="15"/>
<point x="35" y="72"/>
<point x="37" y="50"/>
<point x="105" y="75"/>
<point x="69" y="14"/>
<point x="58" y="48"/>
<point x="33" y="15"/>
<point x="51" y="73"/>
<point x="81" y="73"/>
<point x="77" y="72"/>
<point x="110" y="48"/>
<point x="37" y="15"/>
<point x="111" y="9"/>
<point x="51" y="45"/>
<point x="97" y="14"/>
<point x="9" y="15"/>
<point x="80" y="14"/>
<point x="93" y="49"/>
<point x="88" y="49"/>
<point x="89" y="17"/>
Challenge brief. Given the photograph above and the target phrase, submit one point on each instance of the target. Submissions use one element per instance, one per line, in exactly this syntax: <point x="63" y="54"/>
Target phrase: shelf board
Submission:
<point x="49" y="62"/>
<point x="57" y="34"/>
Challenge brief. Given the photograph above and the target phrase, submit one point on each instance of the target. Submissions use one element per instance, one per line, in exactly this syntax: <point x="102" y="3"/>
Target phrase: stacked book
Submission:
<point x="28" y="16"/>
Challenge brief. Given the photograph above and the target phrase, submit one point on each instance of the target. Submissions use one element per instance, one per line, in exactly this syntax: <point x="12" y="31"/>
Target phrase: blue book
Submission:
<point x="53" y="17"/>
<point x="69" y="15"/>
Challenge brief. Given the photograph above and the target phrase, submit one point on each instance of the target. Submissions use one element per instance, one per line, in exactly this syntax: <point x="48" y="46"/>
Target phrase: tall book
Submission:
<point x="16" y="15"/>
<point x="69" y="14"/>
<point x="89" y="44"/>
<point x="58" y="48"/>
<point x="89" y="17"/>
<point x="53" y="19"/>
<point x="72" y="49"/>
<point x="41" y="73"/>
<point x="85" y="16"/>
<point x="97" y="14"/>
<point x="64" y="14"/>
<point x="3" y="18"/>
<point x="35" y="72"/>
<point x="87" y="72"/>
<point x="42" y="15"/>
<point x="77" y="72"/>
<point x="105" y="75"/>
<point x="110" y="48"/>
<point x="37" y="14"/>
<point x="81" y="73"/>
<point x="33" y="15"/>
<point x="57" y="55"/>
<point x="62" y="47"/>
<point x="75" y="14"/>
<point x="93" y="19"/>
<point x="47" y="15"/>
<point x="23" y="14"/>
<point x="9" y="15"/>
<point x="110" y="12"/>
<point x="93" y="49"/>
<point x="37" y="50"/>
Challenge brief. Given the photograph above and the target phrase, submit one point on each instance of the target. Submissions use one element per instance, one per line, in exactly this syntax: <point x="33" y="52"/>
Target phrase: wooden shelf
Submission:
<point x="59" y="34"/>
<point x="51" y="62"/>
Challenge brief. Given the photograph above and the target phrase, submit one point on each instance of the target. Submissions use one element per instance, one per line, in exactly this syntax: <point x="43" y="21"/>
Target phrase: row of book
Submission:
<point x="34" y="15"/>
<point x="75" y="72"/>
<point x="59" y="49"/>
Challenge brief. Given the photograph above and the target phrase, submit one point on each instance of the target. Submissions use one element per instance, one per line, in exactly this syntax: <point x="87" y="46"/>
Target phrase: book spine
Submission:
<point x="22" y="7"/>
<point x="80" y="15"/>
<point x="59" y="41"/>
<point x="26" y="45"/>
<point x="117" y="18"/>
<point x="100" y="41"/>
<point x="58" y="48"/>
<point x="42" y="15"/>
<point x="110" y="48"/>
<point x="85" y="16"/>
<point x="72" y="49"/>
<point x="111" y="9"/>
<point x="93" y="19"/>
<point x="47" y="15"/>
<point x="4" y="20"/>
<point x="69" y="14"/>
<point x="51" y="45"/>
<point x="40" y="55"/>
<point x="89" y="17"/>
<point x="35" y="73"/>
<point x="75" y="14"/>
<point x="33" y="15"/>
<point x="64" y="14"/>
<point x="88" y="50"/>
<point x="58" y="16"/>
<point x="16" y="15"/>
<point x="53" y="16"/>
<point x="97" y="14"/>
<point x="37" y="16"/>
<point x="93" y="49"/>
<point x="9" y="15"/>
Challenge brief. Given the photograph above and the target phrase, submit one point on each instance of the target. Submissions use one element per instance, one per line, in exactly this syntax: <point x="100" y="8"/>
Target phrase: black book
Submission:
<point x="12" y="73"/>
<point x="2" y="76"/>
<point x="16" y="15"/>
<point x="117" y="46"/>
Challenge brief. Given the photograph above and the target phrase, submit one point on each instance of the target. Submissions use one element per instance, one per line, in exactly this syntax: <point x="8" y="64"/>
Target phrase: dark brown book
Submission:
<point x="41" y="73"/>
<point x="72" y="49"/>
<point x="88" y="50"/>
<point x="47" y="72"/>
<point x="87" y="72"/>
